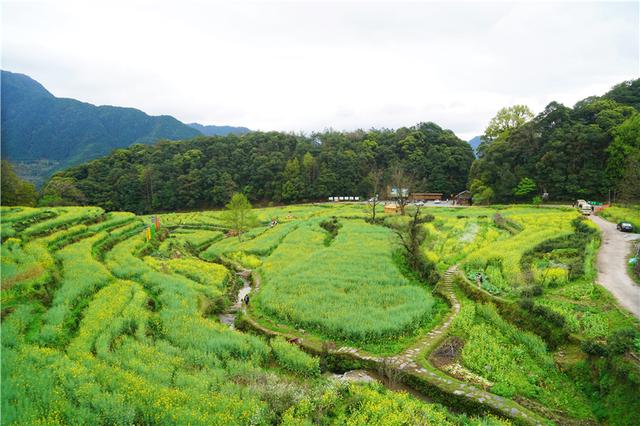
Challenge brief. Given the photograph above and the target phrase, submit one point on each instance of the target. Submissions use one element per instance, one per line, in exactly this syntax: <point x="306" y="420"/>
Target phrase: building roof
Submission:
<point x="463" y="194"/>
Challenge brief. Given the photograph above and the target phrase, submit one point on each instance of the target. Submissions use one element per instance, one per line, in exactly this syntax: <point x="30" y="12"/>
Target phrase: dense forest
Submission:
<point x="589" y="151"/>
<point x="273" y="166"/>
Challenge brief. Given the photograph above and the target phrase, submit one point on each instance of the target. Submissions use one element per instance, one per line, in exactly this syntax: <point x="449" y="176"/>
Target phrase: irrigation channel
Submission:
<point x="408" y="371"/>
<point x="229" y="316"/>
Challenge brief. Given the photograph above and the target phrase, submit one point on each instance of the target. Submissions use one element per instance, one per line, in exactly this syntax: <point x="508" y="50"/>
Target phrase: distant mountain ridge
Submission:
<point x="475" y="142"/>
<point x="42" y="133"/>
<point x="211" y="130"/>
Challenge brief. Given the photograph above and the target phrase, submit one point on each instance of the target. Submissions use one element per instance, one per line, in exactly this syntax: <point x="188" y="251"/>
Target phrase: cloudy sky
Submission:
<point x="305" y="66"/>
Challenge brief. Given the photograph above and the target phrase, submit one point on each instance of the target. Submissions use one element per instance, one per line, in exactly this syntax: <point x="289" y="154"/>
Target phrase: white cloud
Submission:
<point x="307" y="66"/>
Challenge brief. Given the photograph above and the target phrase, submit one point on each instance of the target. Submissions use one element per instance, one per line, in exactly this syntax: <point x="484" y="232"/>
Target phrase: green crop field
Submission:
<point x="101" y="326"/>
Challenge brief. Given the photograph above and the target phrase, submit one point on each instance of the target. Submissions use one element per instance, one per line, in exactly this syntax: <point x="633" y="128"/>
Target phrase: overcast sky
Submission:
<point x="305" y="66"/>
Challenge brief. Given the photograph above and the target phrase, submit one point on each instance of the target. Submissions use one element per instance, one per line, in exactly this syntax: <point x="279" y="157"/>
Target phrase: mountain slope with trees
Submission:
<point x="590" y="151"/>
<point x="211" y="130"/>
<point x="280" y="167"/>
<point x="42" y="133"/>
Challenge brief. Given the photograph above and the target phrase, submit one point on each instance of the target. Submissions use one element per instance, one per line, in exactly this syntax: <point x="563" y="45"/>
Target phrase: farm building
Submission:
<point x="425" y="196"/>
<point x="462" y="199"/>
<point x="391" y="208"/>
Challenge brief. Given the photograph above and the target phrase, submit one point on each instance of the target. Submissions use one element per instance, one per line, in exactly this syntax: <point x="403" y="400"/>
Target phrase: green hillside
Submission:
<point x="273" y="166"/>
<point x="42" y="133"/>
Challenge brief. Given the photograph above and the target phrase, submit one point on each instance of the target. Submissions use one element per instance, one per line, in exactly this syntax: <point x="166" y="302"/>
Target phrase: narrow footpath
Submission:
<point x="612" y="265"/>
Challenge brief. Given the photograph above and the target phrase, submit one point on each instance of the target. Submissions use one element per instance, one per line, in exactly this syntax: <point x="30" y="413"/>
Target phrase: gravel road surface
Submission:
<point x="612" y="265"/>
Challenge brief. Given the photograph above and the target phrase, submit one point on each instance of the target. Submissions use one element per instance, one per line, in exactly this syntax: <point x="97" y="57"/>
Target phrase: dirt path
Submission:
<point x="612" y="265"/>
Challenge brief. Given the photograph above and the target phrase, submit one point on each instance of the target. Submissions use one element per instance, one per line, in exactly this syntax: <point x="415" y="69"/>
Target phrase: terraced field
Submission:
<point x="101" y="326"/>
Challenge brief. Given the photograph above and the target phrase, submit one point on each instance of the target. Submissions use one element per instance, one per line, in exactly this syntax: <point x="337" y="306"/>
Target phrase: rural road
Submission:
<point x="612" y="265"/>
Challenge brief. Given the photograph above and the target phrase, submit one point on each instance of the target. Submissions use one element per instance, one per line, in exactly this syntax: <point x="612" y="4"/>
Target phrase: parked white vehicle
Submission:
<point x="584" y="207"/>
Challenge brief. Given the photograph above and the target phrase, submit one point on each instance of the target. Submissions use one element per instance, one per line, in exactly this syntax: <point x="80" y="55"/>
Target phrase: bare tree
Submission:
<point x="376" y="184"/>
<point x="403" y="183"/>
<point x="411" y="235"/>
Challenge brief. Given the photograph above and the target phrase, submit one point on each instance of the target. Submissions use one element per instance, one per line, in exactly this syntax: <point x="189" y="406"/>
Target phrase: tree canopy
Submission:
<point x="238" y="215"/>
<point x="525" y="187"/>
<point x="507" y="119"/>
<point x="281" y="167"/>
<point x="579" y="152"/>
<point x="15" y="191"/>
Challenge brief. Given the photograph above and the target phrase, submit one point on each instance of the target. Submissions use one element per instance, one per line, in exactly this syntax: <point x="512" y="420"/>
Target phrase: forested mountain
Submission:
<point x="274" y="166"/>
<point x="42" y="133"/>
<point x="588" y="151"/>
<point x="211" y="130"/>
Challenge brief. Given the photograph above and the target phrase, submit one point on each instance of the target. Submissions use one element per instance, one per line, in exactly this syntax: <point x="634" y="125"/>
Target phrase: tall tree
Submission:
<point x="507" y="119"/>
<point x="239" y="216"/>
<point x="63" y="191"/>
<point x="625" y="144"/>
<point x="481" y="193"/>
<point x="525" y="187"/>
<point x="310" y="172"/>
<point x="293" y="186"/>
<point x="411" y="234"/>
<point x="375" y="176"/>
<point x="146" y="176"/>
<point x="15" y="191"/>
<point x="629" y="186"/>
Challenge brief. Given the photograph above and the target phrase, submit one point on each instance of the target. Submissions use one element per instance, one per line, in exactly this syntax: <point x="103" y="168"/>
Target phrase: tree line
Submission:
<point x="268" y="167"/>
<point x="590" y="151"/>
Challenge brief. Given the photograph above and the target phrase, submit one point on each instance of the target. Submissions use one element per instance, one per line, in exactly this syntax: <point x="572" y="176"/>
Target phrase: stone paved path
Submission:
<point x="408" y="359"/>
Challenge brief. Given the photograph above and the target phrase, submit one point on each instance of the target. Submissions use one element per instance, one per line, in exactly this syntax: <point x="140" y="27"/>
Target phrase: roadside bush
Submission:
<point x="548" y="314"/>
<point x="593" y="347"/>
<point x="293" y="359"/>
<point x="526" y="304"/>
<point x="532" y="291"/>
<point x="621" y="341"/>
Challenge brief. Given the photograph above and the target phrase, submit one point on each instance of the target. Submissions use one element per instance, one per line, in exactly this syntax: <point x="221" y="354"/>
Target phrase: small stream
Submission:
<point x="229" y="316"/>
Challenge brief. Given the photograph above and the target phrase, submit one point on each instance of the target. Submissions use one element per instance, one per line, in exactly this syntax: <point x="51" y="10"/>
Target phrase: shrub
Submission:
<point x="332" y="226"/>
<point x="593" y="347"/>
<point x="532" y="291"/>
<point x="621" y="341"/>
<point x="526" y="304"/>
